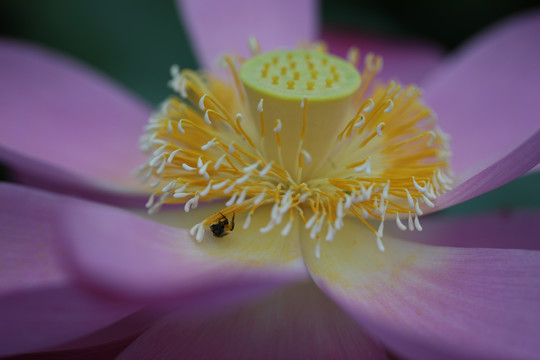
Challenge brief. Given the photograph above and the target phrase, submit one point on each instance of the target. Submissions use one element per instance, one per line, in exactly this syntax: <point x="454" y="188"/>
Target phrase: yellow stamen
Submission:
<point x="343" y="145"/>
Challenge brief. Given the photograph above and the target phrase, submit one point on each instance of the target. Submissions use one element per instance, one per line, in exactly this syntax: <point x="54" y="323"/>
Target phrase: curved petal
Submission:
<point x="216" y="27"/>
<point x="40" y="304"/>
<point x="81" y="129"/>
<point x="514" y="164"/>
<point x="294" y="323"/>
<point x="428" y="302"/>
<point x="406" y="60"/>
<point x="121" y="332"/>
<point x="500" y="230"/>
<point x="129" y="257"/>
<point x="106" y="351"/>
<point x="486" y="94"/>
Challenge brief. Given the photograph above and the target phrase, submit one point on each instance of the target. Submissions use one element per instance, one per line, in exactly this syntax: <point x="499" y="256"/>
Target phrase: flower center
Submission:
<point x="301" y="132"/>
<point x="278" y="86"/>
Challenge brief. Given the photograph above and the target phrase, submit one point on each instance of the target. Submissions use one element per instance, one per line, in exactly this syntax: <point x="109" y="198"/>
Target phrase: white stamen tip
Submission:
<point x="390" y="106"/>
<point x="277" y="127"/>
<point x="174" y="70"/>
<point x="361" y="122"/>
<point x="391" y="88"/>
<point x="266" y="169"/>
<point x="432" y="138"/>
<point x="193" y="230"/>
<point x="206" y="189"/>
<point x="150" y="201"/>
<point x="366" y="166"/>
<point x="428" y="201"/>
<point x="311" y="221"/>
<point x="417" y="208"/>
<point x="417" y="223"/>
<point x="203" y="168"/>
<point x="287" y="228"/>
<point x="179" y="127"/>
<point x="417" y="186"/>
<point x="386" y="190"/>
<point x="267" y="228"/>
<point x="183" y="88"/>
<point x="192" y="203"/>
<point x="242" y="197"/>
<point x="218" y="163"/>
<point x="220" y="185"/>
<point x="348" y="202"/>
<point x="318" y="250"/>
<point x="400" y="224"/>
<point x="330" y="234"/>
<point x="380" y="244"/>
<point x="232" y="200"/>
<point x="172" y="155"/>
<point x="161" y="167"/>
<point x="201" y="102"/>
<point x="370" y="106"/>
<point x="200" y="233"/>
<point x="209" y="144"/>
<point x="307" y="156"/>
<point x="207" y="118"/>
<point x="155" y="183"/>
<point x="251" y="167"/>
<point x="380" y="128"/>
<point x="365" y="214"/>
<point x="259" y="198"/>
<point x="242" y="179"/>
<point x="155" y="161"/>
<point x="247" y="222"/>
<point x="410" y="199"/>
<point x="303" y="103"/>
<point x="229" y="189"/>
<point x="260" y="106"/>
<point x="169" y="186"/>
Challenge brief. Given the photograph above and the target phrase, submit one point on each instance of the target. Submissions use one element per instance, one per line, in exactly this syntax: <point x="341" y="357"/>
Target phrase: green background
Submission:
<point x="136" y="41"/>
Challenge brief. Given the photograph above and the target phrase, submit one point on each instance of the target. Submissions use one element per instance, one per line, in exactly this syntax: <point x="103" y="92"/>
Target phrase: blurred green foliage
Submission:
<point x="133" y="41"/>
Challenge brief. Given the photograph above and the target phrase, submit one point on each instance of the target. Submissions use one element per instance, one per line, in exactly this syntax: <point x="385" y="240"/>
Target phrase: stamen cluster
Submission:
<point x="385" y="157"/>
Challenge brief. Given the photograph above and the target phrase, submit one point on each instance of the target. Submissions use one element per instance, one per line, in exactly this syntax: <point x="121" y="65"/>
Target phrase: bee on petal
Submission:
<point x="223" y="226"/>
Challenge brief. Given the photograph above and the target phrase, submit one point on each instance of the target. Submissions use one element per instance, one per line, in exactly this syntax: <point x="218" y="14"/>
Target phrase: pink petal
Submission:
<point x="428" y="302"/>
<point x="40" y="305"/>
<point x="494" y="230"/>
<point x="76" y="126"/>
<point x="295" y="323"/>
<point x="514" y="164"/>
<point x="129" y="257"/>
<point x="127" y="329"/>
<point x="486" y="95"/>
<point x="216" y="27"/>
<point x="406" y="60"/>
<point x="107" y="351"/>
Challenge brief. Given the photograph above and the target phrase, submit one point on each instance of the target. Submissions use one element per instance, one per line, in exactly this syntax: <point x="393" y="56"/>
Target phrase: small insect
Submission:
<point x="221" y="228"/>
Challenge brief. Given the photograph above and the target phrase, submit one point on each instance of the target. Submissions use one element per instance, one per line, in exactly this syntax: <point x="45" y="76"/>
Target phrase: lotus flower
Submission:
<point x="84" y="270"/>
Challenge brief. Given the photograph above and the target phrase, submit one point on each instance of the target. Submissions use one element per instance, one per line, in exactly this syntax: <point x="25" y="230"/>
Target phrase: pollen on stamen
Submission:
<point x="358" y="149"/>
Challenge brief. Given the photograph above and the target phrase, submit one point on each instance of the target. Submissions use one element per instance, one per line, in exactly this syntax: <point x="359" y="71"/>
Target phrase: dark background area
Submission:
<point x="445" y="22"/>
<point x="136" y="41"/>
